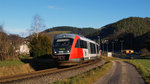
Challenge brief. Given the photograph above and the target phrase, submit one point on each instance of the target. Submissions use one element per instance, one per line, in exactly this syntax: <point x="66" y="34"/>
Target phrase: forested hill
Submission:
<point x="132" y="30"/>
<point x="69" y="29"/>
<point x="133" y="25"/>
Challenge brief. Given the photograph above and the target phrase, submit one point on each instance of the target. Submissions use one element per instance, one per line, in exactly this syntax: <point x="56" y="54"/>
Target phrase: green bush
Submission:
<point x="40" y="46"/>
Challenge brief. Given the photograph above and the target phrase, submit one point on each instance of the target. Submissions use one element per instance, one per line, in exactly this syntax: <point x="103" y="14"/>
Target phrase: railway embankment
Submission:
<point x="22" y="66"/>
<point x="44" y="77"/>
<point x="13" y="67"/>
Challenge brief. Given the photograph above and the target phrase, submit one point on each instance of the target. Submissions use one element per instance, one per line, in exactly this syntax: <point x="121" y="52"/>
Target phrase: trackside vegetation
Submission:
<point x="13" y="67"/>
<point x="143" y="67"/>
<point x="40" y="46"/>
<point x="87" y="77"/>
<point x="11" y="63"/>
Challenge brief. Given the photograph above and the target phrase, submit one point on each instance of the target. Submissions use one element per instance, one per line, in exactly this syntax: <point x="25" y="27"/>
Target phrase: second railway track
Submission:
<point x="50" y="75"/>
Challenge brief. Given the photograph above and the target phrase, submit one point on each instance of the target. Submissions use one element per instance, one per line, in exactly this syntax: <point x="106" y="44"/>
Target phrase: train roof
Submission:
<point x="73" y="36"/>
<point x="65" y="36"/>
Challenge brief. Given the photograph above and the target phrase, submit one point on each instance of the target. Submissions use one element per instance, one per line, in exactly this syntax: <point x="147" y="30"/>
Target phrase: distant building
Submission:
<point x="24" y="49"/>
<point x="109" y="54"/>
<point x="128" y="51"/>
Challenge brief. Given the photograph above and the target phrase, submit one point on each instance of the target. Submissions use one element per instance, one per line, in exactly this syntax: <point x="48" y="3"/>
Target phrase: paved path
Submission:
<point x="121" y="73"/>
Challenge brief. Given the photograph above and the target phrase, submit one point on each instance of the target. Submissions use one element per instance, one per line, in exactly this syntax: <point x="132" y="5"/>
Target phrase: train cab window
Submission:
<point x="63" y="42"/>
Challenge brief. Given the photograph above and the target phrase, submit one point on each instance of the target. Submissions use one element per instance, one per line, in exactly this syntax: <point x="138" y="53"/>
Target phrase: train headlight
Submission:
<point x="55" y="52"/>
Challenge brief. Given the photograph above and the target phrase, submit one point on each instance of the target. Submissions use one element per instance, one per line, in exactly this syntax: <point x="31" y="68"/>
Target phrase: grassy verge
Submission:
<point x="13" y="67"/>
<point x="25" y="57"/>
<point x="10" y="63"/>
<point x="87" y="77"/>
<point x="13" y="70"/>
<point x="142" y="65"/>
<point x="111" y="58"/>
<point x="144" y="62"/>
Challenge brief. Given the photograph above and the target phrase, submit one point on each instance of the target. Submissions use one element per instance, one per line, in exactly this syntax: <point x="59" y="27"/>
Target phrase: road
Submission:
<point x="121" y="73"/>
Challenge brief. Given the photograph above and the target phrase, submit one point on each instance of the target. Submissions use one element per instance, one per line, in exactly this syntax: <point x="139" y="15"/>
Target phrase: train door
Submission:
<point x="84" y="46"/>
<point x="89" y="50"/>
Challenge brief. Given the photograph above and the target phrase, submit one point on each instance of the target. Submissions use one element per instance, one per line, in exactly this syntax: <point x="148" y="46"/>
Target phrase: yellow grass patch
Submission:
<point x="13" y="70"/>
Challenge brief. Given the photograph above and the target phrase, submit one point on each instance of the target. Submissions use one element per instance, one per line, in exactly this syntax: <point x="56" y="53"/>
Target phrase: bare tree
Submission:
<point x="1" y="28"/>
<point x="37" y="25"/>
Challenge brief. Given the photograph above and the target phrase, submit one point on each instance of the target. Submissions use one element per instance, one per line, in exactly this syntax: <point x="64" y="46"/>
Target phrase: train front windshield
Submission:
<point x="63" y="45"/>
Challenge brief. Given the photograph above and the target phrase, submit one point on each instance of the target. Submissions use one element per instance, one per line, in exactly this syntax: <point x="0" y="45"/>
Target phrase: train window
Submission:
<point x="85" y="44"/>
<point x="93" y="48"/>
<point x="77" y="44"/>
<point x="81" y="44"/>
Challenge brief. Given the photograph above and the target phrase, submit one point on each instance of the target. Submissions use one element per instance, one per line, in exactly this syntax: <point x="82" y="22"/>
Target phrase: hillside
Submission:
<point x="132" y="31"/>
<point x="67" y="29"/>
<point x="135" y="25"/>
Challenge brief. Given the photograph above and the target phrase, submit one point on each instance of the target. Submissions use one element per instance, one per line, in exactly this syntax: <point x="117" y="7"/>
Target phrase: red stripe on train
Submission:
<point x="76" y="52"/>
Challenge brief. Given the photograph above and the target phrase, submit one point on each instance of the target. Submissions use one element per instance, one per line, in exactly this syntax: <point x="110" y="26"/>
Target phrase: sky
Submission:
<point x="16" y="16"/>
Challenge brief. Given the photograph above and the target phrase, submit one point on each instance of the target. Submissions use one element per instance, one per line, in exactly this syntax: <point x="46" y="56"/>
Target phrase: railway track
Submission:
<point x="50" y="75"/>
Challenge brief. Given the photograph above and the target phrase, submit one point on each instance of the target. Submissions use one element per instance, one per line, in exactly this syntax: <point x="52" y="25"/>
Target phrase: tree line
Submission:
<point x="39" y="44"/>
<point x="8" y="46"/>
<point x="133" y="31"/>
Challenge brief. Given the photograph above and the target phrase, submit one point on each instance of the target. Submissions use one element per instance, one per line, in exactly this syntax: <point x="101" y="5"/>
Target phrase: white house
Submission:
<point x="24" y="49"/>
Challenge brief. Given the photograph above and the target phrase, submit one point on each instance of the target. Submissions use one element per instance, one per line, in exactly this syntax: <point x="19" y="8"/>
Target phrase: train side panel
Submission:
<point x="76" y="53"/>
<point x="92" y="50"/>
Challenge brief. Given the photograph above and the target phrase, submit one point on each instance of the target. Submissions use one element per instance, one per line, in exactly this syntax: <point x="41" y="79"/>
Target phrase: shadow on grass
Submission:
<point x="41" y="63"/>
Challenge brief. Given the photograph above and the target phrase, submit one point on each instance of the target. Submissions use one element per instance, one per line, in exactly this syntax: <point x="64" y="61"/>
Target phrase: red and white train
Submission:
<point x="72" y="48"/>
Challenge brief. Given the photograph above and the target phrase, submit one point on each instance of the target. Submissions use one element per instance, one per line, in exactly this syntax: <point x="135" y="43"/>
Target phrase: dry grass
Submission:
<point x="87" y="77"/>
<point x="11" y="63"/>
<point x="8" y="68"/>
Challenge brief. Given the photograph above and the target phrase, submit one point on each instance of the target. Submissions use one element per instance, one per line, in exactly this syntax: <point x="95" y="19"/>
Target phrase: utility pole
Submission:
<point x="99" y="41"/>
<point x="99" y="46"/>
<point x="121" y="45"/>
<point x="103" y="46"/>
<point x="107" y="47"/>
<point x="112" y="46"/>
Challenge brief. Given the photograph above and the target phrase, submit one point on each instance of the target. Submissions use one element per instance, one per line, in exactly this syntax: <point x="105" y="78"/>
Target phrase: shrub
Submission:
<point x="40" y="46"/>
